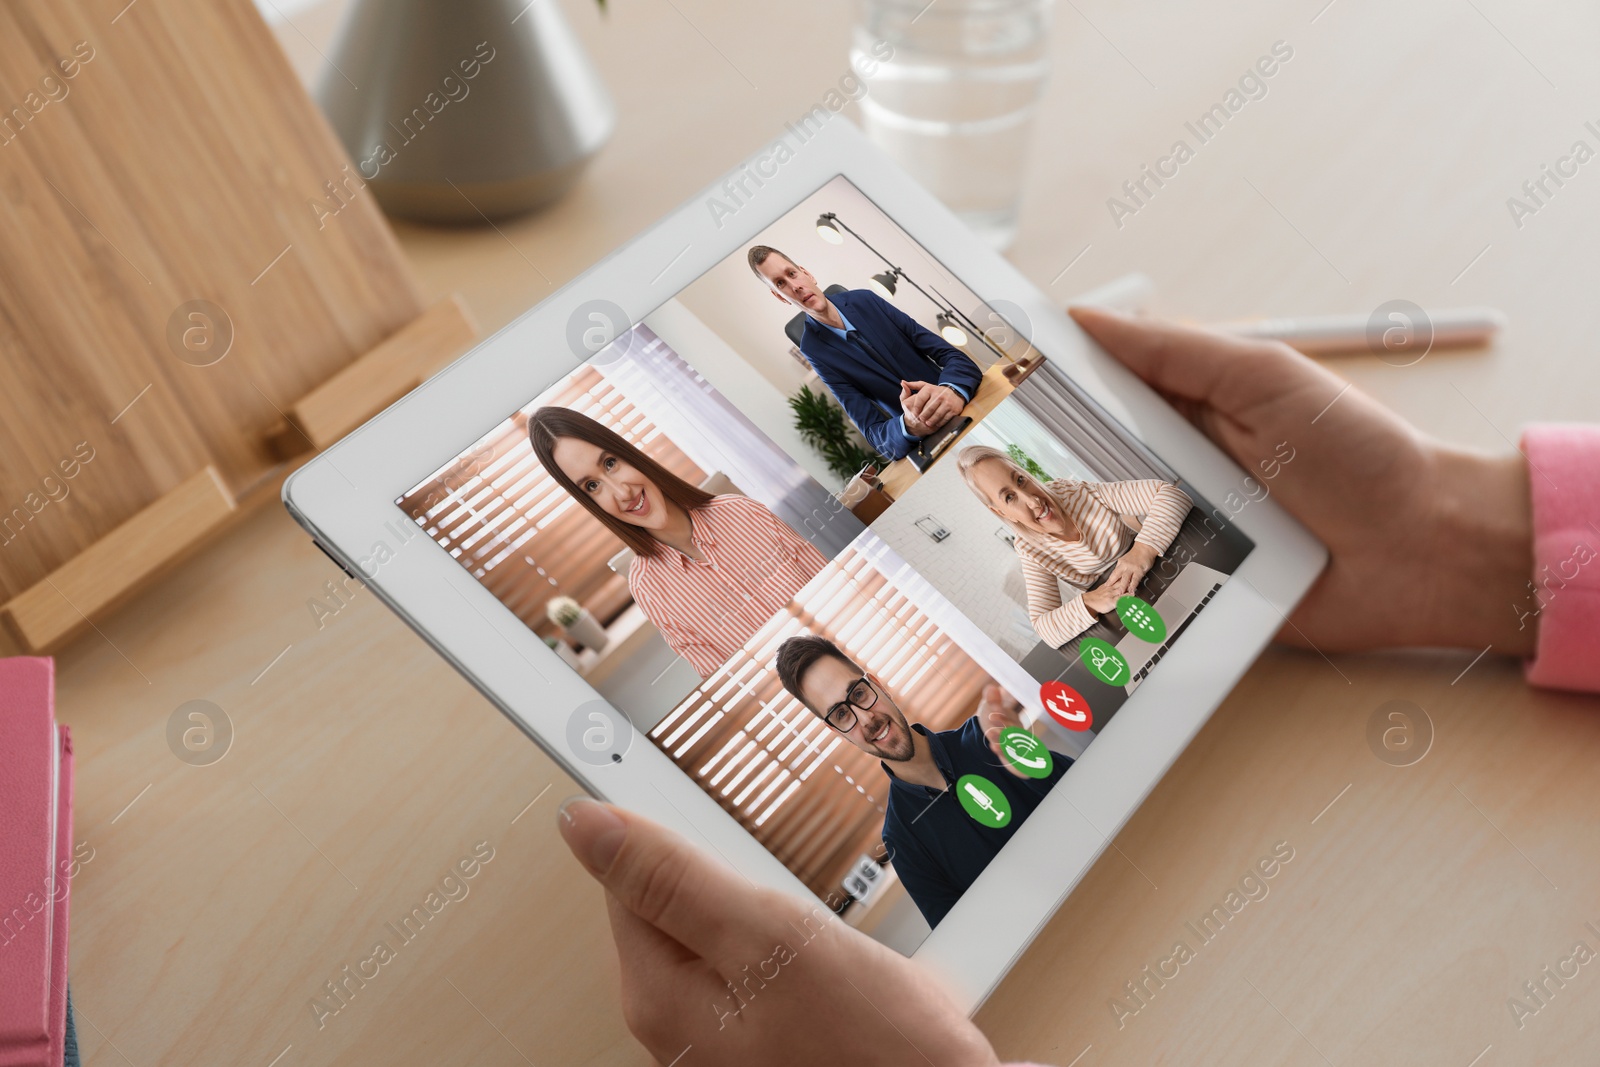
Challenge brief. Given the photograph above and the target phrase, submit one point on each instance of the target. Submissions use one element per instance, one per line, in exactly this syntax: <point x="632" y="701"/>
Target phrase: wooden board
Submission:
<point x="181" y="161"/>
<point x="384" y="375"/>
<point x="62" y="603"/>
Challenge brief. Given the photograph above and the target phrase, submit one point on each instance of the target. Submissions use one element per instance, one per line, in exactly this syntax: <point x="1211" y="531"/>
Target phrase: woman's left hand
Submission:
<point x="1131" y="569"/>
<point x="745" y="975"/>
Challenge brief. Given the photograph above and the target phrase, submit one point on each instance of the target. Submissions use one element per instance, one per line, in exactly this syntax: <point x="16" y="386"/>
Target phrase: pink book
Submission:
<point x="29" y="788"/>
<point x="63" y="890"/>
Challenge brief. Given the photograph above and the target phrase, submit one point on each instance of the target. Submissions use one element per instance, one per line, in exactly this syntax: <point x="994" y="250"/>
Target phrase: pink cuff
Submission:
<point x="1564" y="474"/>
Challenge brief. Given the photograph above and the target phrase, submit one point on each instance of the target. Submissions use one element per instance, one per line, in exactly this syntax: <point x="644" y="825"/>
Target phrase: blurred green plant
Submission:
<point x="1026" y="462"/>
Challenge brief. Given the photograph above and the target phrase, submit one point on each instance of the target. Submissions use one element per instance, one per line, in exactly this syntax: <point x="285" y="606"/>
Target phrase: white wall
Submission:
<point x="973" y="568"/>
<point x="738" y="380"/>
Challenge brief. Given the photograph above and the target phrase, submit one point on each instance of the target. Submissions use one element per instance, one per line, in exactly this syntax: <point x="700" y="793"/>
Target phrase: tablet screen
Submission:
<point x="832" y="534"/>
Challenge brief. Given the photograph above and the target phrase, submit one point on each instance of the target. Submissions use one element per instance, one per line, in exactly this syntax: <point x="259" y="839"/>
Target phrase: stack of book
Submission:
<point x="35" y="863"/>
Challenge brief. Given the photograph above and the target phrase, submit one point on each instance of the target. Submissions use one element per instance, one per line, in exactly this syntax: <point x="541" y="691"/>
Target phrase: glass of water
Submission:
<point x="952" y="88"/>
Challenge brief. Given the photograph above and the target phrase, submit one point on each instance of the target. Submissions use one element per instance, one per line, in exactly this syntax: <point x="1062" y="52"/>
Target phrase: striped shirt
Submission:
<point x="1097" y="510"/>
<point x="754" y="565"/>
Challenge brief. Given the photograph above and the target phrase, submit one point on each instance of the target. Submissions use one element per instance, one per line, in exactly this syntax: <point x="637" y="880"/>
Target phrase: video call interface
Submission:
<point x="840" y="542"/>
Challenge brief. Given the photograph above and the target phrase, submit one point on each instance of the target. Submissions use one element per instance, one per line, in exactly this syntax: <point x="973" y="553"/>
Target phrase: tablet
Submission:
<point x="750" y="527"/>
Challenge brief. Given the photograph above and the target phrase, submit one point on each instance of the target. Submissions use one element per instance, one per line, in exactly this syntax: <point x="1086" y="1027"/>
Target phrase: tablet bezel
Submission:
<point x="345" y="498"/>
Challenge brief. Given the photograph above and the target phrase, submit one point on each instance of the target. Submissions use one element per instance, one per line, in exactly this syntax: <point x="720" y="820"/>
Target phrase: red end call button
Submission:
<point x="1066" y="705"/>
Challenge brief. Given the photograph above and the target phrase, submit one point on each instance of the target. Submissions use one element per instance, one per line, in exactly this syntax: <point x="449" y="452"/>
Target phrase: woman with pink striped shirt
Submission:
<point x="1075" y="531"/>
<point x="709" y="571"/>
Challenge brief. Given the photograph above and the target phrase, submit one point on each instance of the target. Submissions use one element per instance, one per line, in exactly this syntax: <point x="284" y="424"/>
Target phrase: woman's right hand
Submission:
<point x="1445" y="533"/>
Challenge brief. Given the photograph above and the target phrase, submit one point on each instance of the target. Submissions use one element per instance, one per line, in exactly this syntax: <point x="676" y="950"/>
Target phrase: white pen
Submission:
<point x="1327" y="334"/>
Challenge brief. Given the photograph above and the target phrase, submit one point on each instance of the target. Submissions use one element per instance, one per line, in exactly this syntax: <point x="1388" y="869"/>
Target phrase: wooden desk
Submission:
<point x="218" y="904"/>
<point x="993" y="387"/>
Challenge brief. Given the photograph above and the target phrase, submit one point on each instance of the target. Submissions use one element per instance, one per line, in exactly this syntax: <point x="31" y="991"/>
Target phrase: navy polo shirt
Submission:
<point x="937" y="849"/>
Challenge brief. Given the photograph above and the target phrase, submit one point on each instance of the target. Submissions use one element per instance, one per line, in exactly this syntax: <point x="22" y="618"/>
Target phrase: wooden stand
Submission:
<point x="165" y="159"/>
<point x="382" y="376"/>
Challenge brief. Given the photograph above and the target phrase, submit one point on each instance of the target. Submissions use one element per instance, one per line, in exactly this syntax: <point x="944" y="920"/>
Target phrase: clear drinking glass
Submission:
<point x="952" y="88"/>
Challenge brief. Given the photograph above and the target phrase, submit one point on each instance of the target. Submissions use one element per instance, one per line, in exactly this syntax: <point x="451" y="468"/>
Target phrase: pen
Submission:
<point x="1327" y="334"/>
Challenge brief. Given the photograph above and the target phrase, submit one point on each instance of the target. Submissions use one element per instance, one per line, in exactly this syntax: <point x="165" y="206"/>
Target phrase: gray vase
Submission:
<point x="458" y="110"/>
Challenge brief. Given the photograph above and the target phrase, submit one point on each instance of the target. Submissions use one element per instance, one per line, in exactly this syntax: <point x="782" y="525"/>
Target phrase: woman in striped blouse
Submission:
<point x="1075" y="531"/>
<point x="709" y="571"/>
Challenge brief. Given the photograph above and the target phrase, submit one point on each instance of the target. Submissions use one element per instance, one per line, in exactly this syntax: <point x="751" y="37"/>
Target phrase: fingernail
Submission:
<point x="1096" y="309"/>
<point x="592" y="830"/>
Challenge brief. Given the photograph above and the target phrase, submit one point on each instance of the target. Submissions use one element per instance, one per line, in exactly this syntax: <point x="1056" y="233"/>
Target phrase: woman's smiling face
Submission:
<point x="619" y="489"/>
<point x="1018" y="498"/>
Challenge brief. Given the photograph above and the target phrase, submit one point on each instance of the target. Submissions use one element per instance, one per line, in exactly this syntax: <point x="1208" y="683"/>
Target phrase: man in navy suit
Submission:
<point x="874" y="357"/>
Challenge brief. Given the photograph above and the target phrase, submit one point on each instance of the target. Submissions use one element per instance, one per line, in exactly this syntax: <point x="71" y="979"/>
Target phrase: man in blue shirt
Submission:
<point x="873" y="357"/>
<point x="937" y="849"/>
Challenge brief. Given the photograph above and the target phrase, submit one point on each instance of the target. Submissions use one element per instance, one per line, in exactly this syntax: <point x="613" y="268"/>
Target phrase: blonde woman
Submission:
<point x="1075" y="531"/>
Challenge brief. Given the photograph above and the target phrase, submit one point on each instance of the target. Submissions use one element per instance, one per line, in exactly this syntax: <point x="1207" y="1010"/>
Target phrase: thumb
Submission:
<point x="1204" y="366"/>
<point x="662" y="879"/>
<point x="994" y="711"/>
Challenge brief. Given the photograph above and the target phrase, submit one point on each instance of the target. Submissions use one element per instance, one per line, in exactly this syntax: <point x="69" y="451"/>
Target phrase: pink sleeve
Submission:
<point x="1564" y="475"/>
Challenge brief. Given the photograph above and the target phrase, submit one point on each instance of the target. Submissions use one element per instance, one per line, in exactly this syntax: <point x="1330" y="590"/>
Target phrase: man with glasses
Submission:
<point x="937" y="849"/>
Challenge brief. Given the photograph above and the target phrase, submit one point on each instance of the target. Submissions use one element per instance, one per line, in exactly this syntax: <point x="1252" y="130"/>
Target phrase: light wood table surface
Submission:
<point x="219" y="899"/>
<point x="993" y="387"/>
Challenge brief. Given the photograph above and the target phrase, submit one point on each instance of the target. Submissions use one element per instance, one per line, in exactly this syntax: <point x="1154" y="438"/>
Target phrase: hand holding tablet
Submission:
<point x="749" y="976"/>
<point x="1443" y="531"/>
<point x="1211" y="358"/>
<point x="706" y="531"/>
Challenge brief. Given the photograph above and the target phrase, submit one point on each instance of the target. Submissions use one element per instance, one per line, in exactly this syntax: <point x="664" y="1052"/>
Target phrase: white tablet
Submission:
<point x="744" y="524"/>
